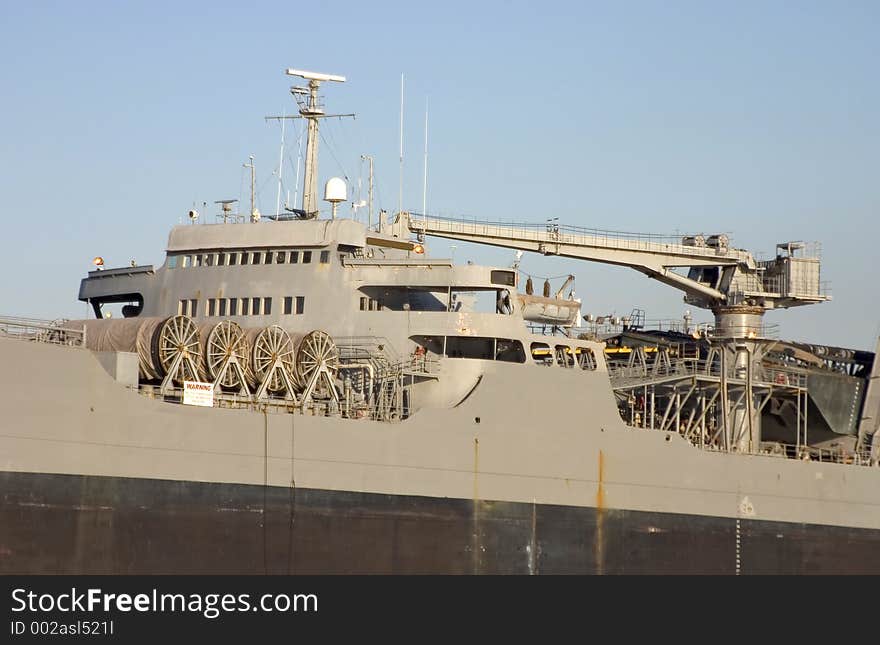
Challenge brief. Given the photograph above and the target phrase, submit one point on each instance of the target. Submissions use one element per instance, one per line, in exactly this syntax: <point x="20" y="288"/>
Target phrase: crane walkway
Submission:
<point x="586" y="243"/>
<point x="655" y="256"/>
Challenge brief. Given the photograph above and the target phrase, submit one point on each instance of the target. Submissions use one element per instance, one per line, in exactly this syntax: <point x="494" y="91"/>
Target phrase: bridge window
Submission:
<point x="281" y="257"/>
<point x="395" y="298"/>
<point x="172" y="262"/>
<point x="233" y="258"/>
<point x="507" y="350"/>
<point x="479" y="301"/>
<point x="307" y="257"/>
<point x="233" y="306"/>
<point x="256" y="257"/>
<point x="245" y="306"/>
<point x="197" y="260"/>
<point x="325" y="257"/>
<point x="294" y="305"/>
<point x="256" y="306"/>
<point x="294" y="257"/>
<point x="267" y="306"/>
<point x="470" y="347"/>
<point x="269" y="256"/>
<point x="245" y="256"/>
<point x="506" y="278"/>
<point x="221" y="259"/>
<point x="212" y="306"/>
<point x="222" y="306"/>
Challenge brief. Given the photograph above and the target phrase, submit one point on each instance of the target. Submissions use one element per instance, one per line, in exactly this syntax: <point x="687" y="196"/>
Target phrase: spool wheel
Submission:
<point x="179" y="335"/>
<point x="225" y="341"/>
<point x="317" y="349"/>
<point x="273" y="343"/>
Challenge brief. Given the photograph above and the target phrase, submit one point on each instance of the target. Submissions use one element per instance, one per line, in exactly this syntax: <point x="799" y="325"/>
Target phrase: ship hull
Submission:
<point x="534" y="472"/>
<point x="74" y="524"/>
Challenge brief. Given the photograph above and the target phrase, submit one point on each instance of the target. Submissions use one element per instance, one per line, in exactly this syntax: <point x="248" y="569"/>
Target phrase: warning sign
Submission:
<point x="198" y="393"/>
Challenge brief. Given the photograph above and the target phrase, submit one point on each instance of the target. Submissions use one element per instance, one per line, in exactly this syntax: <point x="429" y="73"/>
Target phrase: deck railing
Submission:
<point x="623" y="375"/>
<point x="552" y="232"/>
<point x="55" y="332"/>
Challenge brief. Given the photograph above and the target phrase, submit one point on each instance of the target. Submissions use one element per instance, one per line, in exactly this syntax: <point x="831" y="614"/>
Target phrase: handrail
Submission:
<point x="552" y="227"/>
<point x="43" y="331"/>
<point x="577" y="236"/>
<point x="623" y="375"/>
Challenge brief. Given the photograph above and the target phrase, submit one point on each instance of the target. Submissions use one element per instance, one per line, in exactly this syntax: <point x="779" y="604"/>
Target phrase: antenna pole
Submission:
<point x="369" y="158"/>
<point x="425" y="180"/>
<point x="370" y="196"/>
<point x="253" y="186"/>
<point x="400" y="191"/>
<point x="280" y="166"/>
<point x="298" y="161"/>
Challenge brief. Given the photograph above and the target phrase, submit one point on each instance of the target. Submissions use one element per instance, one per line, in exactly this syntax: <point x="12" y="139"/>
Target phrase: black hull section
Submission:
<point x="103" y="525"/>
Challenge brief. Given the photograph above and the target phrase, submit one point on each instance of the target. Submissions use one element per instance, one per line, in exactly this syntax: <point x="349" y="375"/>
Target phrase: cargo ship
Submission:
<point x="299" y="393"/>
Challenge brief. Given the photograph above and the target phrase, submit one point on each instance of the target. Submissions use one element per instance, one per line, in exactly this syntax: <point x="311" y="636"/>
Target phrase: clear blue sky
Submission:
<point x="760" y="119"/>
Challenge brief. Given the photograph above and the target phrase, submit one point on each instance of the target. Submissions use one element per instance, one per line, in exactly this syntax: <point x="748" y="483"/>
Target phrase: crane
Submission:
<point x="730" y="282"/>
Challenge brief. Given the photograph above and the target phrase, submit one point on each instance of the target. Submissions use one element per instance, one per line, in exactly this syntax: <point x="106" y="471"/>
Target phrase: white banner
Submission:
<point x="198" y="393"/>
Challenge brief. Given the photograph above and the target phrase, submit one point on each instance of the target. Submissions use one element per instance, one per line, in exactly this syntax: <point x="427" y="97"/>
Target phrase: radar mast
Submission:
<point x="311" y="110"/>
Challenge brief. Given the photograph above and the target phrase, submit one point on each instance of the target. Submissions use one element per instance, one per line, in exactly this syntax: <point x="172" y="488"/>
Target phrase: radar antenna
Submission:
<point x="226" y="209"/>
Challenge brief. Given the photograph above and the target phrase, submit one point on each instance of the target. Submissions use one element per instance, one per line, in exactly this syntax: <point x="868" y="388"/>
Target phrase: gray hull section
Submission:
<point x="526" y="438"/>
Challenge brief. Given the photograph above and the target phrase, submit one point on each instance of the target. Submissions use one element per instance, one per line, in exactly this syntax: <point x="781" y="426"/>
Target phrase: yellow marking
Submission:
<point x="628" y="350"/>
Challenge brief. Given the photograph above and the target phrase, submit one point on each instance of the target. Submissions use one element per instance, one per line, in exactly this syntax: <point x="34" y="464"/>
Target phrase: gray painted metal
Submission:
<point x="870" y="420"/>
<point x="476" y="429"/>
<point x="540" y="428"/>
<point x="526" y="433"/>
<point x="739" y="282"/>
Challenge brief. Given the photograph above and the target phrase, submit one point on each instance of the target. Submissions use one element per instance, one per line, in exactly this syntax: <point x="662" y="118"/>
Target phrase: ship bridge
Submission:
<point x="313" y="232"/>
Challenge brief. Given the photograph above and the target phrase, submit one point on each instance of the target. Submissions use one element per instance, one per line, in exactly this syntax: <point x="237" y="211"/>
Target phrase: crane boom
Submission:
<point x="721" y="278"/>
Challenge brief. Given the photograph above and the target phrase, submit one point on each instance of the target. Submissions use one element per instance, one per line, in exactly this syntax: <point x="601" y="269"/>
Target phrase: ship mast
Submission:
<point x="369" y="158"/>
<point x="255" y="215"/>
<point x="312" y="111"/>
